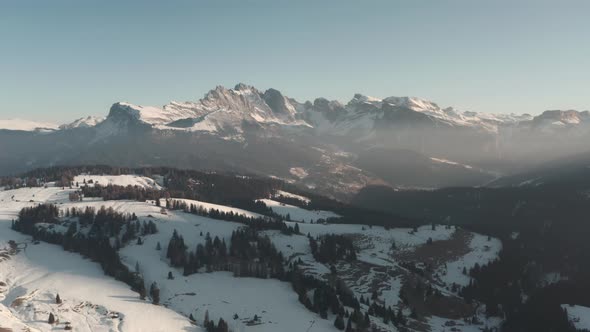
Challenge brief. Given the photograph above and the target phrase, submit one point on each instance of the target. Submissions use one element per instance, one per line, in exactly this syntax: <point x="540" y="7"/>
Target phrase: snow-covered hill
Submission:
<point x="26" y="125"/>
<point x="32" y="274"/>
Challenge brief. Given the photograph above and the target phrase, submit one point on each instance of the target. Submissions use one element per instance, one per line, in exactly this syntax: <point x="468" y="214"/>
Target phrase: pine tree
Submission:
<point x="170" y="276"/>
<point x="155" y="293"/>
<point x="349" y="326"/>
<point x="57" y="299"/>
<point x="222" y="326"/>
<point x="142" y="291"/>
<point x="400" y="315"/>
<point x="51" y="319"/>
<point x="206" y="320"/>
<point x="339" y="322"/>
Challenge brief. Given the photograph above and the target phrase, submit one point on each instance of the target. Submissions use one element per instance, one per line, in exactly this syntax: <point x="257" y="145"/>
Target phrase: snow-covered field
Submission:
<point x="221" y="208"/>
<point x="578" y="315"/>
<point x="94" y="302"/>
<point x="297" y="213"/>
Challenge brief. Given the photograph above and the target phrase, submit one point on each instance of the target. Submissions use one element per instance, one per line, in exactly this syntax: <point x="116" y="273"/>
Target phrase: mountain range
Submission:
<point x="322" y="144"/>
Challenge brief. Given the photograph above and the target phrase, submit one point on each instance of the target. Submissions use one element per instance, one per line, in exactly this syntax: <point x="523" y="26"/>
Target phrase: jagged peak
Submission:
<point x="242" y="86"/>
<point x="563" y="116"/>
<point x="361" y="98"/>
<point x="85" y="122"/>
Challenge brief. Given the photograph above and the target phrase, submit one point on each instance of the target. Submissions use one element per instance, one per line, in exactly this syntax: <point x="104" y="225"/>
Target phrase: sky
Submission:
<point x="61" y="60"/>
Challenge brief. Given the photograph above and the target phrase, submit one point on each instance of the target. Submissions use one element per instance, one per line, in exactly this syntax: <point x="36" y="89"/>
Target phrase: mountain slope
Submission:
<point x="572" y="172"/>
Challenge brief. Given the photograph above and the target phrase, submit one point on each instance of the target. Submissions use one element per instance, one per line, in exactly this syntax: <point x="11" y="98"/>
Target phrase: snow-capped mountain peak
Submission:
<point x="147" y="114"/>
<point x="86" y="122"/>
<point x="230" y="113"/>
<point x="221" y="111"/>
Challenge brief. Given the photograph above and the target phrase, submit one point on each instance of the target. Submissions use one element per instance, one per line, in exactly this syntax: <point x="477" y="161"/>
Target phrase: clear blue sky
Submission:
<point x="60" y="60"/>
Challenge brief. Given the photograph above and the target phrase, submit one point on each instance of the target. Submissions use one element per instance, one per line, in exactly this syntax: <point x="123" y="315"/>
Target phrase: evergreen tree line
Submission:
<point x="113" y="192"/>
<point x="274" y="222"/>
<point x="219" y="188"/>
<point x="248" y="255"/>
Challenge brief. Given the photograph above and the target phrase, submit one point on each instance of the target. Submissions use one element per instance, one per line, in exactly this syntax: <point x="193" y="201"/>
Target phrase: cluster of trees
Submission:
<point x="253" y="255"/>
<point x="388" y="314"/>
<point x="331" y="248"/>
<point x="256" y="255"/>
<point x="501" y="283"/>
<point x="326" y="296"/>
<point x="29" y="216"/>
<point x="329" y="297"/>
<point x="221" y="326"/>
<point x="110" y="222"/>
<point x="176" y="251"/>
<point x="249" y="255"/>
